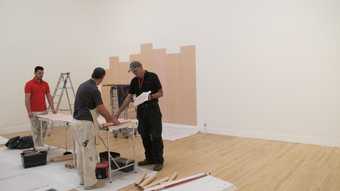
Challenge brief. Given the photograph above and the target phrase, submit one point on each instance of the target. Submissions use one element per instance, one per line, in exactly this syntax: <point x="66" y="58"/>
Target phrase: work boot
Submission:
<point x="99" y="184"/>
<point x="158" y="167"/>
<point x="145" y="162"/>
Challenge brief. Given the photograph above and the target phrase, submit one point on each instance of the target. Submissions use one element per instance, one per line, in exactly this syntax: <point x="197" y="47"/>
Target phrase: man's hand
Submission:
<point x="116" y="121"/>
<point x="106" y="126"/>
<point x="116" y="115"/>
<point x="30" y="115"/>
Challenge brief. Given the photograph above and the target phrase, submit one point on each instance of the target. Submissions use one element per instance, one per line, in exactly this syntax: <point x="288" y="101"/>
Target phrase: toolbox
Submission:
<point x="126" y="165"/>
<point x="102" y="170"/>
<point x="32" y="158"/>
<point x="104" y="155"/>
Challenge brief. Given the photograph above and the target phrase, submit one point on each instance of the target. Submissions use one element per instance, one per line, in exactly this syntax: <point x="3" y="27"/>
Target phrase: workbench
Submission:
<point x="67" y="120"/>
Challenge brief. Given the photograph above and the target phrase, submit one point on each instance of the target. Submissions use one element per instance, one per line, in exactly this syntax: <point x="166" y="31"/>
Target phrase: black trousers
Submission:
<point x="150" y="128"/>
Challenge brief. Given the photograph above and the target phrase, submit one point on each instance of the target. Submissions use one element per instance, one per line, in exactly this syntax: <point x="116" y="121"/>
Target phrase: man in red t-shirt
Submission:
<point x="35" y="92"/>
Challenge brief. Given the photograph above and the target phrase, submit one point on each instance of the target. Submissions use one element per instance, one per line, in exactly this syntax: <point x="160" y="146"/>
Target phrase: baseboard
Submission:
<point x="176" y="125"/>
<point x="315" y="140"/>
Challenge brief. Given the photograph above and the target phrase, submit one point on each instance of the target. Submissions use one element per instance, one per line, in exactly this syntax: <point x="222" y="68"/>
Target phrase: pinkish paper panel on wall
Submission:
<point x="177" y="73"/>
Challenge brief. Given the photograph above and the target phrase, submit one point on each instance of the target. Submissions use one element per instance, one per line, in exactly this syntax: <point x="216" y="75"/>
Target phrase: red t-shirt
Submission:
<point x="38" y="91"/>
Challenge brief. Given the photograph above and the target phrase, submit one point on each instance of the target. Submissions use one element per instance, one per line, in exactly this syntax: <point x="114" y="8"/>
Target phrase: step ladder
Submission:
<point x="64" y="86"/>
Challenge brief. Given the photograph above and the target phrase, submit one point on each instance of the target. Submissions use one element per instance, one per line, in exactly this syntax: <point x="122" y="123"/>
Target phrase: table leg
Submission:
<point x="134" y="136"/>
<point x="41" y="134"/>
<point x="66" y="137"/>
<point x="109" y="154"/>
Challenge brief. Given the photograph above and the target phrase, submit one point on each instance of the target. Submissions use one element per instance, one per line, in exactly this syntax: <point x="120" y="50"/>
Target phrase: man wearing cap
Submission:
<point x="148" y="114"/>
<point x="88" y="99"/>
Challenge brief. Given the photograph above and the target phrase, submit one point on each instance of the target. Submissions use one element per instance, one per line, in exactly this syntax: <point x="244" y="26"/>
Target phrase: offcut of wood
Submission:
<point x="139" y="181"/>
<point x="147" y="181"/>
<point x="157" y="183"/>
<point x="173" y="177"/>
<point x="177" y="182"/>
<point x="62" y="158"/>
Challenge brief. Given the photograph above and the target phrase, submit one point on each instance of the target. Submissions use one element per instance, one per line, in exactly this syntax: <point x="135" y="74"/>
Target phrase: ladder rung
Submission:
<point x="64" y="110"/>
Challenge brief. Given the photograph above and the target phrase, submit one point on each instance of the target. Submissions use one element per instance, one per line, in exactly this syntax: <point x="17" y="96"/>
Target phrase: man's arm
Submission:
<point x="101" y="109"/>
<point x="125" y="104"/>
<point x="158" y="86"/>
<point x="50" y="102"/>
<point x="156" y="95"/>
<point x="28" y="104"/>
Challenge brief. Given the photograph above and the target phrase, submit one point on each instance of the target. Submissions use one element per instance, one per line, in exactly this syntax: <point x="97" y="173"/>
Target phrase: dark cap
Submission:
<point x="98" y="73"/>
<point x="134" y="65"/>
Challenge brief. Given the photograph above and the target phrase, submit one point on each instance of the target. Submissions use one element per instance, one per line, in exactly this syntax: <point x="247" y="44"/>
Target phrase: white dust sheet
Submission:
<point x="53" y="175"/>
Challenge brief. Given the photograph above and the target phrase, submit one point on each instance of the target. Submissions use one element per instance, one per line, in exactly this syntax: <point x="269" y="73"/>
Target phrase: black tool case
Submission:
<point x="32" y="158"/>
<point x="104" y="156"/>
<point x="126" y="165"/>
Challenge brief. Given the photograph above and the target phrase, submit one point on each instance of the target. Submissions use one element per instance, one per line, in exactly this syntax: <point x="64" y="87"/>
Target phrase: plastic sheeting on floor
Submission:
<point x="3" y="140"/>
<point x="53" y="175"/>
<point x="173" y="133"/>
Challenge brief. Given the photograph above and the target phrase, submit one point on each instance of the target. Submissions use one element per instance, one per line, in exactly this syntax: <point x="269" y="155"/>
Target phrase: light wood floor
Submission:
<point x="250" y="164"/>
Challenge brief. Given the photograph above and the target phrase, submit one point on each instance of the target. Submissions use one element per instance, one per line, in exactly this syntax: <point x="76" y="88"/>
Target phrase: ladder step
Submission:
<point x="64" y="110"/>
<point x="55" y="103"/>
<point x="64" y="88"/>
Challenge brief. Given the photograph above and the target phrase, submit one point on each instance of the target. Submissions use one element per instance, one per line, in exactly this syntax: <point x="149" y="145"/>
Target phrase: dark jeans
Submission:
<point x="150" y="128"/>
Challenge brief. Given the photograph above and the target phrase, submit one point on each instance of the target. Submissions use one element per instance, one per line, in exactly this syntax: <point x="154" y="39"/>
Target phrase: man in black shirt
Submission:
<point x="88" y="99"/>
<point x="148" y="114"/>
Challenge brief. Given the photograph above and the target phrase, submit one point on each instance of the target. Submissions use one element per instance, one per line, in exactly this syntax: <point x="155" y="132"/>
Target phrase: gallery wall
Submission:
<point x="58" y="35"/>
<point x="265" y="68"/>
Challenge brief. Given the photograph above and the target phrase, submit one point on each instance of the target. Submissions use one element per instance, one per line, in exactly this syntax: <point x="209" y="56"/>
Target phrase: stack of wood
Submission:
<point x="148" y="182"/>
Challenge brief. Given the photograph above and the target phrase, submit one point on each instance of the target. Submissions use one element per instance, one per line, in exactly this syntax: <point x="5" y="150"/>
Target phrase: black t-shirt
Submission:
<point x="88" y="97"/>
<point x="149" y="83"/>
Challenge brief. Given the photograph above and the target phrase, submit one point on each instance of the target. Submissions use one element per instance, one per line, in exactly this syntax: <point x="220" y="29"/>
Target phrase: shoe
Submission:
<point x="158" y="167"/>
<point x="144" y="163"/>
<point x="99" y="184"/>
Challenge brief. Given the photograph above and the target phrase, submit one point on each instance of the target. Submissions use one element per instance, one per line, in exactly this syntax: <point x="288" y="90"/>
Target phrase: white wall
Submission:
<point x="266" y="68"/>
<point x="59" y="35"/>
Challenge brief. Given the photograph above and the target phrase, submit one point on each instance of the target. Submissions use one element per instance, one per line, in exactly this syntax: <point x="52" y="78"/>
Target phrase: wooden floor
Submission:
<point x="250" y="164"/>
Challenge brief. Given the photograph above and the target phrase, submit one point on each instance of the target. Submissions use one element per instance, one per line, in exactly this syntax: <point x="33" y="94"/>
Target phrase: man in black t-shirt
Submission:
<point x="148" y="114"/>
<point x="88" y="99"/>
